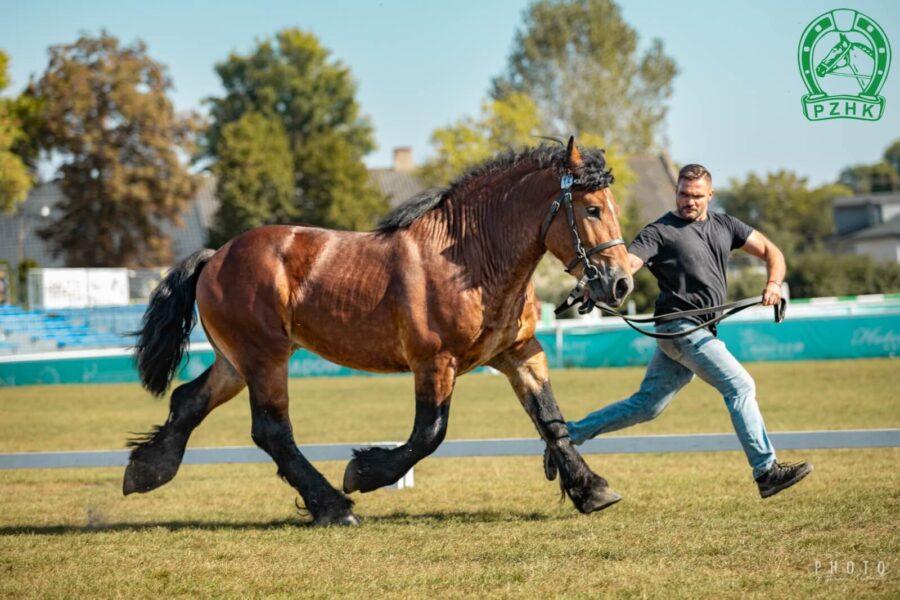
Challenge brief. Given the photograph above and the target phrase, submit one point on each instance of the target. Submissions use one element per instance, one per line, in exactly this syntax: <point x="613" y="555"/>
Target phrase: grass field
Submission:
<point x="691" y="525"/>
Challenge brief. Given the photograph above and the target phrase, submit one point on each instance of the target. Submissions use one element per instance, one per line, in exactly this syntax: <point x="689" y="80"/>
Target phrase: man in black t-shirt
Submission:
<point x="687" y="251"/>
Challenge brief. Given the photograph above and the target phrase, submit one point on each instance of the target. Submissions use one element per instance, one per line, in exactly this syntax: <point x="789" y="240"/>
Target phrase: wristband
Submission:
<point x="773" y="281"/>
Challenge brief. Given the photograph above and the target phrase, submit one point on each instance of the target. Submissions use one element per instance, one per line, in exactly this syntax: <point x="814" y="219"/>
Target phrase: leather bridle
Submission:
<point x="590" y="272"/>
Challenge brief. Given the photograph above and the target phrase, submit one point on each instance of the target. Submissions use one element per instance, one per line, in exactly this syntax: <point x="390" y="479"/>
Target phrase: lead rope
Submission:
<point x="730" y="309"/>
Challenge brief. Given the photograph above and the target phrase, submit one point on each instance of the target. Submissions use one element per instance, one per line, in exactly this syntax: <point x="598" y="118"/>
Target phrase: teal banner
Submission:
<point x="857" y="336"/>
<point x="847" y="336"/>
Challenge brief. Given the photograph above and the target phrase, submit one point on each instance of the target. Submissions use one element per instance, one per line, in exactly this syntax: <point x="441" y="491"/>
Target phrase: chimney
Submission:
<point x="403" y="161"/>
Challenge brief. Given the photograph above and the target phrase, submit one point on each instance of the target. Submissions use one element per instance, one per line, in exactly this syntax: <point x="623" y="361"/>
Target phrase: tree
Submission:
<point x="507" y="124"/>
<point x="15" y="180"/>
<point x="794" y="217"/>
<point x="579" y="61"/>
<point x="292" y="80"/>
<point x="510" y="123"/>
<point x="892" y="155"/>
<point x="107" y="116"/>
<point x="883" y="176"/>
<point x="254" y="177"/>
<point x="819" y="274"/>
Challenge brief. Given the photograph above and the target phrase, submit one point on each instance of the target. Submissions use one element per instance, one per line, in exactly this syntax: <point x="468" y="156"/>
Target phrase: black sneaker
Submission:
<point x="781" y="476"/>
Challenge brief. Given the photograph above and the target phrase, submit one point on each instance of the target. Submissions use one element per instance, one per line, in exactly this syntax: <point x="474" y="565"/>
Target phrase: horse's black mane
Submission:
<point x="592" y="175"/>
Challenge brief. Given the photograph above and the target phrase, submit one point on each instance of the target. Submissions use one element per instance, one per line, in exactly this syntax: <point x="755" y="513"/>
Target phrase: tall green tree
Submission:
<point x="512" y="123"/>
<point x="107" y="116"/>
<point x="293" y="80"/>
<point x="882" y="176"/>
<point x="892" y="155"/>
<point x="254" y="177"/>
<point x="783" y="207"/>
<point x="580" y="62"/>
<point x="15" y="180"/>
<point x="509" y="123"/>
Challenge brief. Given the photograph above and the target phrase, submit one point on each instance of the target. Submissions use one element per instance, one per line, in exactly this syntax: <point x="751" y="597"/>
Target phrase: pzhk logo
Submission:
<point x="844" y="61"/>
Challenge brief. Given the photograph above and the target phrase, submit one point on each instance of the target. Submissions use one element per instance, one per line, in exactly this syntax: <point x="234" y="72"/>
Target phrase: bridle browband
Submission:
<point x="590" y="272"/>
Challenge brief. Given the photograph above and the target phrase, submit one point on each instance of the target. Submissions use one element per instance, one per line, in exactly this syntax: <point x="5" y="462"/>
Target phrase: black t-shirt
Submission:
<point x="689" y="260"/>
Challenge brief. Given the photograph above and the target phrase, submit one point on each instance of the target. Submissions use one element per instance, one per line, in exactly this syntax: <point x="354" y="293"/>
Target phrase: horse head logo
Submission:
<point x="844" y="59"/>
<point x="842" y="56"/>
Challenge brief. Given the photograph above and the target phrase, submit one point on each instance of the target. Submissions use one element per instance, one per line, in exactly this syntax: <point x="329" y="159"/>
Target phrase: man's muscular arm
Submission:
<point x="761" y="247"/>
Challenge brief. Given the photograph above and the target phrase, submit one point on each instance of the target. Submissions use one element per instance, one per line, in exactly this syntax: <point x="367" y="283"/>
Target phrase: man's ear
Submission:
<point x="573" y="156"/>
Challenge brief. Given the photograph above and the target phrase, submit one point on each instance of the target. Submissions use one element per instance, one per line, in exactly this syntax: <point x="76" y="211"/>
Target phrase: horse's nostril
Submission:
<point x="621" y="288"/>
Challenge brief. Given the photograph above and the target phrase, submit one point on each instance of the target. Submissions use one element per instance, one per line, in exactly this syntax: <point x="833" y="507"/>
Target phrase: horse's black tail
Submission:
<point x="167" y="323"/>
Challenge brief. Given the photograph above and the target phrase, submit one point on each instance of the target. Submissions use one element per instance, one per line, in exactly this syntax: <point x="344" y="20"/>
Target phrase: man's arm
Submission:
<point x="760" y="246"/>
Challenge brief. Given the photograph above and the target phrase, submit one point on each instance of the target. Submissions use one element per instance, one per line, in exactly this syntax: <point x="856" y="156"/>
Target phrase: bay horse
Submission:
<point x="439" y="288"/>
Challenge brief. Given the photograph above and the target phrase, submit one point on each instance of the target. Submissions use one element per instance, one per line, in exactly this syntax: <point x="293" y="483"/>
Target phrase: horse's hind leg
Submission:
<point x="157" y="455"/>
<point x="526" y="367"/>
<point x="373" y="468"/>
<point x="272" y="431"/>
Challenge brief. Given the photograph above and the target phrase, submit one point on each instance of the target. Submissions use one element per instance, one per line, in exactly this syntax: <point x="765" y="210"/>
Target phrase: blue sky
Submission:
<point x="420" y="65"/>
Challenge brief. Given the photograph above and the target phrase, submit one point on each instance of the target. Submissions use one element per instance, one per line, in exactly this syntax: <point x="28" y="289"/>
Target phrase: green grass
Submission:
<point x="793" y="396"/>
<point x="691" y="525"/>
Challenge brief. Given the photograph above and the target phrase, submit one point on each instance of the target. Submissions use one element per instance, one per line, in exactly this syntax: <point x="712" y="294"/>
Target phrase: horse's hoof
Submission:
<point x="140" y="478"/>
<point x="599" y="500"/>
<point x="350" y="484"/>
<point x="347" y="520"/>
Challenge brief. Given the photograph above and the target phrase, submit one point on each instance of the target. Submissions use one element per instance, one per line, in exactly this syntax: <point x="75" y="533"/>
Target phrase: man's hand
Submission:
<point x="772" y="294"/>
<point x="634" y="263"/>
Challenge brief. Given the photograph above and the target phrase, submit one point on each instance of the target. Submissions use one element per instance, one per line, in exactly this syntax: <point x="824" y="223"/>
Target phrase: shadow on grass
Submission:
<point x="149" y="525"/>
<point x="396" y="518"/>
<point x="463" y="517"/>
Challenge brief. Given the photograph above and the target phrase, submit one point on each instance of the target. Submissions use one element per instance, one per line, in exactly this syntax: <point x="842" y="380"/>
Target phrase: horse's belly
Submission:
<point x="360" y="346"/>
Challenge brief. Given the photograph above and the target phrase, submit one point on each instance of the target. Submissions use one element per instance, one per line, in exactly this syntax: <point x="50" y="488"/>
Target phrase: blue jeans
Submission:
<point x="672" y="367"/>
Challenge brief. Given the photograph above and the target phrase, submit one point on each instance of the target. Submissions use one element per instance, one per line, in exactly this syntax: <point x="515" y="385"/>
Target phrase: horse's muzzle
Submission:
<point x="612" y="287"/>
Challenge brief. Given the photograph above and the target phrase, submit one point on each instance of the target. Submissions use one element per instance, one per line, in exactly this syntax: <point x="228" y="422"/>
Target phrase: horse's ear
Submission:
<point x="573" y="156"/>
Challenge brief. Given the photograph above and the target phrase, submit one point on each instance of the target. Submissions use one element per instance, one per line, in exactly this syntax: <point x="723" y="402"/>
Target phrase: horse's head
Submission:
<point x="587" y="238"/>
<point x="835" y="58"/>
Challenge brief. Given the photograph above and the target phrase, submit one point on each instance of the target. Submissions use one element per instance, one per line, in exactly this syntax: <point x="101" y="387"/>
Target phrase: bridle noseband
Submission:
<point x="590" y="272"/>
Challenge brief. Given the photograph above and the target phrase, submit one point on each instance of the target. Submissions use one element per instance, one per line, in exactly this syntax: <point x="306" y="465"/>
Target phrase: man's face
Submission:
<point x="693" y="197"/>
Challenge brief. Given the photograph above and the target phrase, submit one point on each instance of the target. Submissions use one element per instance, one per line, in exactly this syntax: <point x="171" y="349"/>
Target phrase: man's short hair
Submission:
<point x="693" y="172"/>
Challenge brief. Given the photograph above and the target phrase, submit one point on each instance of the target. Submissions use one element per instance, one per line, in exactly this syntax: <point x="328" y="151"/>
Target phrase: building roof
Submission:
<point x="654" y="188"/>
<point x="873" y="198"/>
<point x="398" y="186"/>
<point x="888" y="229"/>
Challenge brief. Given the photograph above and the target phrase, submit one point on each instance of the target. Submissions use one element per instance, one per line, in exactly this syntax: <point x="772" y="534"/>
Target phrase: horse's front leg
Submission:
<point x="373" y="468"/>
<point x="525" y="364"/>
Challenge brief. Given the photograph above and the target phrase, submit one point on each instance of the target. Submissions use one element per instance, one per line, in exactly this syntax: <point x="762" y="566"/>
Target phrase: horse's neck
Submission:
<point x="497" y="236"/>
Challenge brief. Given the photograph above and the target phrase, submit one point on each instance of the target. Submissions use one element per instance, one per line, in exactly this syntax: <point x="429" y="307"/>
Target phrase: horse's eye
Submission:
<point x="593" y="212"/>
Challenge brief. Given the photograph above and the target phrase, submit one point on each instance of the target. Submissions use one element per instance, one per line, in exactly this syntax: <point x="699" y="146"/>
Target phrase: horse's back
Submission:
<point x="375" y="301"/>
<point x="297" y="286"/>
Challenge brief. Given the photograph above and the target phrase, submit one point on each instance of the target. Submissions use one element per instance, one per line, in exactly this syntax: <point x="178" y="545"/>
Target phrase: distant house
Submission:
<point x="654" y="187"/>
<point x="397" y="182"/>
<point x="18" y="231"/>
<point x="654" y="190"/>
<point x="868" y="224"/>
